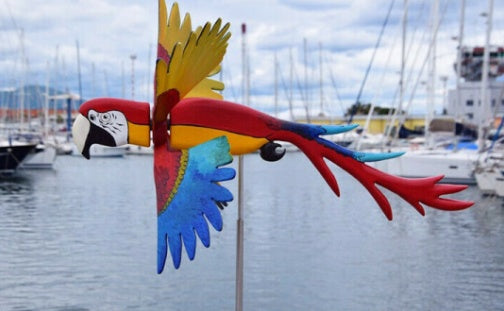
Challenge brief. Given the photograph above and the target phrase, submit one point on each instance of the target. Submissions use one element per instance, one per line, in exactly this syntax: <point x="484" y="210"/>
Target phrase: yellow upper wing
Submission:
<point x="193" y="55"/>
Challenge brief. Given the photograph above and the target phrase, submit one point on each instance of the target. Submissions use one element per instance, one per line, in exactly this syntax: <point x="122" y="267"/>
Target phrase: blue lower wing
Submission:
<point x="195" y="201"/>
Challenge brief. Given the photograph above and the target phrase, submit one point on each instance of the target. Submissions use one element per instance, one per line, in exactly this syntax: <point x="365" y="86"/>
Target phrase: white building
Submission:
<point x="470" y="107"/>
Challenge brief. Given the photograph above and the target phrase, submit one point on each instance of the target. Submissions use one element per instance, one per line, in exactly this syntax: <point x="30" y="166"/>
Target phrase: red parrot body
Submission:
<point x="238" y="119"/>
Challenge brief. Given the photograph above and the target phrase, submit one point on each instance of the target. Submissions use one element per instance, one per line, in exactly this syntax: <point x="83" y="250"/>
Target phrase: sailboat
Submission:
<point x="12" y="151"/>
<point x="45" y="152"/>
<point x="12" y="154"/>
<point x="489" y="174"/>
<point x="489" y="171"/>
<point x="44" y="155"/>
<point x="18" y="133"/>
<point x="456" y="163"/>
<point x="20" y="143"/>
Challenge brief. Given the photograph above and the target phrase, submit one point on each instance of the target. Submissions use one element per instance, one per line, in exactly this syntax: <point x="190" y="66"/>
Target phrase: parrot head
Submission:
<point x="111" y="122"/>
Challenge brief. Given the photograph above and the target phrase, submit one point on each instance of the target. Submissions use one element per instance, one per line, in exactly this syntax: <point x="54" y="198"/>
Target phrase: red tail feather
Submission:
<point x="413" y="190"/>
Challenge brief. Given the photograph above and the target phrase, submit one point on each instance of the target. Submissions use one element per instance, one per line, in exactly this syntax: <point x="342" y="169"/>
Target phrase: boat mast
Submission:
<point x="375" y="50"/>
<point x="459" y="58"/>
<point x="276" y="84"/>
<point x="431" y="93"/>
<point x="105" y="83"/>
<point x="482" y="129"/>
<point x="401" y="74"/>
<point x="133" y="57"/>
<point x="46" y="102"/>
<point x="123" y="81"/>
<point x="79" y="73"/>
<point x="321" y="81"/>
<point x="23" y="77"/>
<point x="148" y="92"/>
<point x="291" y="84"/>
<point x="403" y="64"/>
<point x="93" y="80"/>
<point x="56" y="83"/>
<point x="306" y="101"/>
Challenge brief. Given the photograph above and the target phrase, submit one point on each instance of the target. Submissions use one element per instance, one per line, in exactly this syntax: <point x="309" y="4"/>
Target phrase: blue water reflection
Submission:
<point x="83" y="237"/>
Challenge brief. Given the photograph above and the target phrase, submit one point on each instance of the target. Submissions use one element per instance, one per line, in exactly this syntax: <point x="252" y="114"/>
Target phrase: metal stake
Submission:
<point x="239" y="239"/>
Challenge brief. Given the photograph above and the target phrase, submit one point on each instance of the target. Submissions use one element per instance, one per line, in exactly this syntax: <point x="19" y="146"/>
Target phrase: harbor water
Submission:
<point x="83" y="237"/>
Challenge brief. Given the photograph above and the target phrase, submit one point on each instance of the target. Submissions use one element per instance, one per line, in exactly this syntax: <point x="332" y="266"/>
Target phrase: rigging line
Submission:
<point x="413" y="36"/>
<point x="388" y="125"/>
<point x="282" y="81"/>
<point x="412" y="66"/>
<point x="5" y="38"/>
<point x="7" y="42"/>
<point x="410" y="47"/>
<point x="413" y="92"/>
<point x="300" y="88"/>
<point x="324" y="95"/>
<point x="392" y="111"/>
<point x="304" y="97"/>
<point x="302" y="91"/>
<point x="11" y="16"/>
<point x="394" y="116"/>
<point x="385" y="22"/>
<point x="19" y="31"/>
<point x="333" y="82"/>
<point x="225" y="77"/>
<point x="378" y="93"/>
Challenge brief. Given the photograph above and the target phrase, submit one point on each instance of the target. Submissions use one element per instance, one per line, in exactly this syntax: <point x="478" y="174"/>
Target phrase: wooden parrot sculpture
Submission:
<point x="195" y="133"/>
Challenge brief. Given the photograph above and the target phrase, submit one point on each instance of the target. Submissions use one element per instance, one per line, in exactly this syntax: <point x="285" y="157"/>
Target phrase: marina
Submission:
<point x="82" y="237"/>
<point x="327" y="188"/>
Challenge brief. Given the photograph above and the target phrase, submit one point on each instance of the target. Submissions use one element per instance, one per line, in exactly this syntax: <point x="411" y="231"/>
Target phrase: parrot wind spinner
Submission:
<point x="195" y="133"/>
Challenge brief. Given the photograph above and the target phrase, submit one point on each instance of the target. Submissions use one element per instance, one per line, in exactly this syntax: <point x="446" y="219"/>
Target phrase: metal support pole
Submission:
<point x="239" y="221"/>
<point x="239" y="239"/>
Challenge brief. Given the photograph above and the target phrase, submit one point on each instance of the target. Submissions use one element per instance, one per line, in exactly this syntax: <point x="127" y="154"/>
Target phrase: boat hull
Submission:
<point x="457" y="167"/>
<point x="11" y="156"/>
<point x="42" y="159"/>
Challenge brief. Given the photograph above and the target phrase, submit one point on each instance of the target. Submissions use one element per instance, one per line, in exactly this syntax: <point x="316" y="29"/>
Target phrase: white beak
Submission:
<point x="80" y="132"/>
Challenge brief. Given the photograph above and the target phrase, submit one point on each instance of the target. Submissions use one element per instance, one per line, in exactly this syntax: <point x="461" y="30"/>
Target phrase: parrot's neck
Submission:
<point x="160" y="133"/>
<point x="164" y="104"/>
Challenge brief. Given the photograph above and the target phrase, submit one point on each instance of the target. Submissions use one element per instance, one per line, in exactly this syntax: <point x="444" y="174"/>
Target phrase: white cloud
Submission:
<point x="109" y="31"/>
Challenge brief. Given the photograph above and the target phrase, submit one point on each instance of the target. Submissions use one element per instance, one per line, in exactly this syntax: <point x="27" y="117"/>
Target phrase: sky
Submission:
<point x="331" y="43"/>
